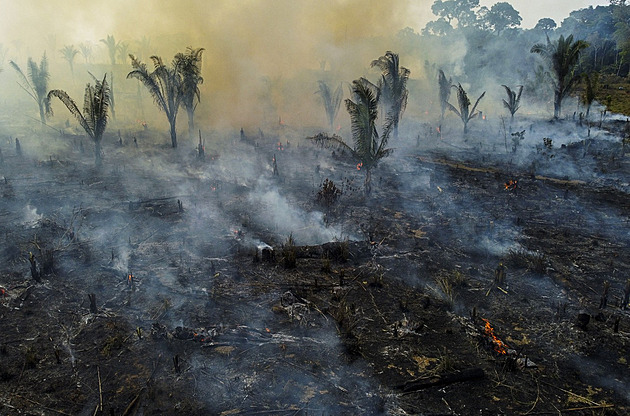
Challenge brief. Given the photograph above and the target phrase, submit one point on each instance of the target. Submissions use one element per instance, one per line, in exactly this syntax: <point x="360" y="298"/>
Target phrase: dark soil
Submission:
<point x="224" y="315"/>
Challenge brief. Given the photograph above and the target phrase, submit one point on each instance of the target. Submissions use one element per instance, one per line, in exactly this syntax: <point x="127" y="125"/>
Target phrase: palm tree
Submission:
<point x="331" y="100"/>
<point x="86" y="51"/>
<point x="123" y="51"/>
<point x="445" y="94"/>
<point x="562" y="56"/>
<point x="464" y="112"/>
<point x="513" y="99"/>
<point x="164" y="85"/>
<point x="393" y="84"/>
<point x="590" y="86"/>
<point x="69" y="52"/>
<point x="369" y="148"/>
<point x="94" y="116"/>
<point x="188" y="64"/>
<point x="36" y="85"/>
<point x="112" y="47"/>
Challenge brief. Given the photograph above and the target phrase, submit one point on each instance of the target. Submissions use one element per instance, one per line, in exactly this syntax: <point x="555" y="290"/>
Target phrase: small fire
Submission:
<point x="499" y="346"/>
<point x="359" y="165"/>
<point x="483" y="117"/>
<point x="3" y="292"/>
<point x="130" y="279"/>
<point x="511" y="185"/>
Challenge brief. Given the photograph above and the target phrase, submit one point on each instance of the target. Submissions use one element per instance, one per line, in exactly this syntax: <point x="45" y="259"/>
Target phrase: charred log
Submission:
<point x="469" y="374"/>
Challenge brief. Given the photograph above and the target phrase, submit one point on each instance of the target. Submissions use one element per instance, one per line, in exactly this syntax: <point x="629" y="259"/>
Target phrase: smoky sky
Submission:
<point x="252" y="47"/>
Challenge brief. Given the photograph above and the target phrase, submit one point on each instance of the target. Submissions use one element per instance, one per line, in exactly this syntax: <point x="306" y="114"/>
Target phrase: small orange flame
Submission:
<point x="511" y="185"/>
<point x="267" y="329"/>
<point x="359" y="165"/>
<point x="499" y="346"/>
<point x="483" y="117"/>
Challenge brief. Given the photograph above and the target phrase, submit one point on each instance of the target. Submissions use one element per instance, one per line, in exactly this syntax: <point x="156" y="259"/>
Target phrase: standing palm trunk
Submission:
<point x="369" y="148"/>
<point x="464" y="112"/>
<point x="36" y="85"/>
<point x="393" y="85"/>
<point x="562" y="56"/>
<point x="94" y="116"/>
<point x="331" y="100"/>
<point x="188" y="64"/>
<point x="164" y="85"/>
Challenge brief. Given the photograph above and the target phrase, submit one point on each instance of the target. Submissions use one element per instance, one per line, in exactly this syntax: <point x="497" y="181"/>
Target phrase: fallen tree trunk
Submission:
<point x="468" y="374"/>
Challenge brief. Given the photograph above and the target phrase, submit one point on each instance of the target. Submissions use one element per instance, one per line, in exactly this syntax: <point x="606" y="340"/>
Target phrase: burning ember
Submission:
<point x="3" y="292"/>
<point x="499" y="346"/>
<point x="511" y="185"/>
<point x="359" y="165"/>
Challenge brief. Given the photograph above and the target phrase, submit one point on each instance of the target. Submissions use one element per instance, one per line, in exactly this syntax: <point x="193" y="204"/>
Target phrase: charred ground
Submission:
<point x="375" y="305"/>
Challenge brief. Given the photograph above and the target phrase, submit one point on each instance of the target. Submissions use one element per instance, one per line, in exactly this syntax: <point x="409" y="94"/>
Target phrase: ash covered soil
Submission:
<point x="170" y="284"/>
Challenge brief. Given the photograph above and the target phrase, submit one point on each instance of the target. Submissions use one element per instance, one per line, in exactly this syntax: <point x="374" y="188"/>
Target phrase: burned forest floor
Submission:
<point x="477" y="278"/>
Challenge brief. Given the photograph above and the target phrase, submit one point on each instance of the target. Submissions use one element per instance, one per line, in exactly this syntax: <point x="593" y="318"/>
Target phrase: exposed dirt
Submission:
<point x="223" y="315"/>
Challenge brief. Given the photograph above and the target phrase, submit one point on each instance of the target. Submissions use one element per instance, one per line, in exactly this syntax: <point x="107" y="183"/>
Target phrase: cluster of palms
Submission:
<point x="177" y="86"/>
<point x="561" y="58"/>
<point x="171" y="87"/>
<point x="369" y="146"/>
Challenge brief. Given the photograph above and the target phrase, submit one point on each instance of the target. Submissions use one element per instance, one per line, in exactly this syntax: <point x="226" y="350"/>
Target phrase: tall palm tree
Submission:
<point x="94" y="116"/>
<point x="369" y="147"/>
<point x="86" y="51"/>
<point x="562" y="56"/>
<point x="393" y="84"/>
<point x="123" y="51"/>
<point x="445" y="94"/>
<point x="164" y="85"/>
<point x="188" y="64"/>
<point x="36" y="85"/>
<point x="69" y="52"/>
<point x="331" y="100"/>
<point x="464" y="112"/>
<point x="513" y="99"/>
<point x="112" y="47"/>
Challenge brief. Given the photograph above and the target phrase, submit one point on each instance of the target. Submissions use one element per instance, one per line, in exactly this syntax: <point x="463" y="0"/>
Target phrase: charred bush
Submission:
<point x="328" y="193"/>
<point x="338" y="251"/>
<point x="522" y="259"/>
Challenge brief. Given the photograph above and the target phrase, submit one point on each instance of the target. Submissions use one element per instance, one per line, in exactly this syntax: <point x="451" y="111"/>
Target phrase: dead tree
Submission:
<point x="93" y="308"/>
<point x="35" y="273"/>
<point x="603" y="301"/>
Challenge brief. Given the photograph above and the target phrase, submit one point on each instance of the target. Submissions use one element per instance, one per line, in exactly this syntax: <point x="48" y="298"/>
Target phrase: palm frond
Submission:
<point x="74" y="110"/>
<point x="27" y="85"/>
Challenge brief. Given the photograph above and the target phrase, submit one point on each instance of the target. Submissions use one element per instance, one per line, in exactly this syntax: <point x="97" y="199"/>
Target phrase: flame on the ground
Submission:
<point x="511" y="185"/>
<point x="359" y="165"/>
<point x="499" y="346"/>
